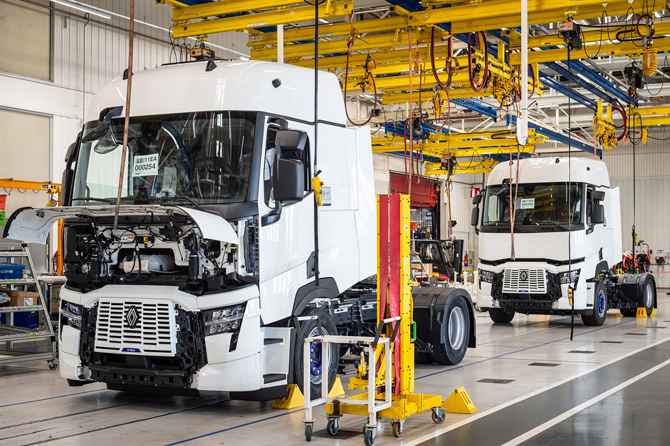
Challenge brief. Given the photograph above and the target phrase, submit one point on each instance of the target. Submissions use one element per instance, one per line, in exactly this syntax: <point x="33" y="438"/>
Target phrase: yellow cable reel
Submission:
<point x="649" y="60"/>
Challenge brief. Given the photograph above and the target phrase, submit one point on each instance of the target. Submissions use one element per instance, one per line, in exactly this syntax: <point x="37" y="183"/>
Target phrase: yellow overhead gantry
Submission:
<point x="282" y="16"/>
<point x="51" y="189"/>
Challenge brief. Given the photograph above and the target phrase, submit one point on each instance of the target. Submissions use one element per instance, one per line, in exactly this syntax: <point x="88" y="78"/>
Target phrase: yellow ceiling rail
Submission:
<point x="657" y="120"/>
<point x="288" y="15"/>
<point x="474" y="23"/>
<point x="594" y="36"/>
<point x="367" y="43"/>
<point x="594" y="50"/>
<point x="653" y="111"/>
<point x="176" y="3"/>
<point x="394" y="56"/>
<point x="494" y="9"/>
<point x="214" y="9"/>
<point x="335" y="30"/>
<point x="391" y="97"/>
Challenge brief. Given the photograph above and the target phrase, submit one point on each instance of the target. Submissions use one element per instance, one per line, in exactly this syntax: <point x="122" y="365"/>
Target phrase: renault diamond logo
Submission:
<point x="523" y="276"/>
<point x="132" y="317"/>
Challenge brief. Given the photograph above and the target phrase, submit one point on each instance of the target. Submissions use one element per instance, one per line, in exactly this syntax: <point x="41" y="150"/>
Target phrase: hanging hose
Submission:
<point x="485" y="76"/>
<point x="621" y="111"/>
<point x="649" y="60"/>
<point x="368" y="75"/>
<point x="450" y="58"/>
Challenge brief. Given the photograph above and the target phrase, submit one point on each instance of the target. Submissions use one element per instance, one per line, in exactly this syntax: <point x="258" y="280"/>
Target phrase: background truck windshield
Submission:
<point x="541" y="204"/>
<point x="203" y="157"/>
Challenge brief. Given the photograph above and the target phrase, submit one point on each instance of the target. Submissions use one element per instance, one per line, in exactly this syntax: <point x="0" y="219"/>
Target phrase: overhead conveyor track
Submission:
<point x="378" y="76"/>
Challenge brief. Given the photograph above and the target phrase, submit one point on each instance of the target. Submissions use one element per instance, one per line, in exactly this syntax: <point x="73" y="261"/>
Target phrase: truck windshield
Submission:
<point x="541" y="205"/>
<point x="183" y="158"/>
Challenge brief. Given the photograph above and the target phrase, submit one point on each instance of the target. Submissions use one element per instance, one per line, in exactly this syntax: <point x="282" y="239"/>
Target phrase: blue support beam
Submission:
<point x="582" y="83"/>
<point x="602" y="82"/>
<point x="556" y="136"/>
<point x="478" y="106"/>
<point x="567" y="91"/>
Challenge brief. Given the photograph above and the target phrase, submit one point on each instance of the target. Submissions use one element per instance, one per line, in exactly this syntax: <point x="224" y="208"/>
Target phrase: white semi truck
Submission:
<point x="214" y="254"/>
<point x="566" y="237"/>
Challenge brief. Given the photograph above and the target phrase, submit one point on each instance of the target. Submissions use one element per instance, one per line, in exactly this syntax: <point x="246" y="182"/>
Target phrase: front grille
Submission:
<point x="153" y="332"/>
<point x="525" y="280"/>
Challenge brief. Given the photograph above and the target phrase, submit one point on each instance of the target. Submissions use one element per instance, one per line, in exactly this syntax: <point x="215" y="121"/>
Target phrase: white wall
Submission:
<point x="87" y="54"/>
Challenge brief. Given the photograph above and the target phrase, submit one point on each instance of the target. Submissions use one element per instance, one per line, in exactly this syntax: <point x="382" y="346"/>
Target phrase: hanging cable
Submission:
<point x="127" y="118"/>
<point x="471" y="75"/>
<point x="571" y="296"/>
<point x="368" y="74"/>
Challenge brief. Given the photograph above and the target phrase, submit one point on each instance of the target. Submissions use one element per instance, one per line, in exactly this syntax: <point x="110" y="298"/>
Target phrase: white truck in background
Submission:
<point x="567" y="235"/>
<point x="214" y="254"/>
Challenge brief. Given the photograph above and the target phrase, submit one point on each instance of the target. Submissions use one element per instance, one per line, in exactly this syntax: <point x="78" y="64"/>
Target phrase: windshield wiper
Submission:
<point x="185" y="197"/>
<point x="104" y="200"/>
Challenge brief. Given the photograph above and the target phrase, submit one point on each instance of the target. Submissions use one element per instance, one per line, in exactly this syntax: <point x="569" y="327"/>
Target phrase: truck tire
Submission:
<point x="500" y="315"/>
<point x="599" y="307"/>
<point x="456" y="333"/>
<point x="309" y="328"/>
<point x="649" y="293"/>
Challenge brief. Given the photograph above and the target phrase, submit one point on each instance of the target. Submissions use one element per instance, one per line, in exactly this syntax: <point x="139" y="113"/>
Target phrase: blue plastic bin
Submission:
<point x="11" y="271"/>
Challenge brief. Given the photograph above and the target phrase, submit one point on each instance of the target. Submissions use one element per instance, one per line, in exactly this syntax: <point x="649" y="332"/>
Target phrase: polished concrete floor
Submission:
<point x="609" y="386"/>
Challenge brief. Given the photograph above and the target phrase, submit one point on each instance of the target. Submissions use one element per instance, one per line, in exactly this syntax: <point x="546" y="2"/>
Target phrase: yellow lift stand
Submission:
<point x="404" y="402"/>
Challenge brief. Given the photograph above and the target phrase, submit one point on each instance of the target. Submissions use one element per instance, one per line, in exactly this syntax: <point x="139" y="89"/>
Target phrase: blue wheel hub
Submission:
<point x="315" y="358"/>
<point x="601" y="303"/>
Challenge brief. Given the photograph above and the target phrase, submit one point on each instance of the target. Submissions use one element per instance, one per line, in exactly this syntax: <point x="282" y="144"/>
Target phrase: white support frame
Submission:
<point x="371" y="346"/>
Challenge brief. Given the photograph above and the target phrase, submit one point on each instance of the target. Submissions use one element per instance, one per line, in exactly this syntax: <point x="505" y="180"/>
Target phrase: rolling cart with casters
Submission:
<point x="368" y="403"/>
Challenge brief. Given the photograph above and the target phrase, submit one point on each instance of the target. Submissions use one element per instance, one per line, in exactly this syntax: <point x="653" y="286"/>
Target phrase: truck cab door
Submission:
<point x="286" y="239"/>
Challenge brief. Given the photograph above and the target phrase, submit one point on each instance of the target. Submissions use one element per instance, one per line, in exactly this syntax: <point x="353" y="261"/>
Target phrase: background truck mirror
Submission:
<point x="289" y="180"/>
<point x="598" y="214"/>
<point x="474" y="217"/>
<point x="476" y="199"/>
<point x="598" y="195"/>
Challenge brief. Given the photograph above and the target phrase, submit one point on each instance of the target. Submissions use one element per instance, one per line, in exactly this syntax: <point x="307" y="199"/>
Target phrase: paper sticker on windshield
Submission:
<point x="145" y="165"/>
<point x="527" y="203"/>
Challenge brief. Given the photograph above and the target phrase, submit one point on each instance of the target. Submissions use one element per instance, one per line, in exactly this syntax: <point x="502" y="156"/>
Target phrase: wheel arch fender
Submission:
<point x="600" y="267"/>
<point x="327" y="288"/>
<point x="430" y="314"/>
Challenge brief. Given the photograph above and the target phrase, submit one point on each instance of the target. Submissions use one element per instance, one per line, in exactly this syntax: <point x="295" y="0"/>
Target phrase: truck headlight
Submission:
<point x="569" y="277"/>
<point x="486" y="276"/>
<point x="224" y="320"/>
<point x="71" y="314"/>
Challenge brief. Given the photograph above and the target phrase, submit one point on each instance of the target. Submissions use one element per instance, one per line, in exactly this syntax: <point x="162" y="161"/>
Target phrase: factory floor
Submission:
<point x="609" y="386"/>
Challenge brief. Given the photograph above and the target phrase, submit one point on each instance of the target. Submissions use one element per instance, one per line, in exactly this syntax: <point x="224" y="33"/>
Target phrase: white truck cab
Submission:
<point x="566" y="234"/>
<point x="214" y="253"/>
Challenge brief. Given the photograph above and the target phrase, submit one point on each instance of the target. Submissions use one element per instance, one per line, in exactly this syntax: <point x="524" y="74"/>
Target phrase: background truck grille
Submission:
<point x="154" y="332"/>
<point x="525" y="280"/>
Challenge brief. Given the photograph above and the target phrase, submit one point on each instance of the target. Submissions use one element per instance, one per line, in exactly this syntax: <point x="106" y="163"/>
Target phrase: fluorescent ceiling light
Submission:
<point x="81" y="7"/>
<point x="104" y="13"/>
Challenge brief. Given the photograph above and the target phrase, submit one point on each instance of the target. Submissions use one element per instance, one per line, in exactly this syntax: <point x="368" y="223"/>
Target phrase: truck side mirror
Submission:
<point x="474" y="217"/>
<point x="289" y="180"/>
<point x="66" y="187"/>
<point x="477" y="199"/>
<point x="598" y="214"/>
<point x="291" y="140"/>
